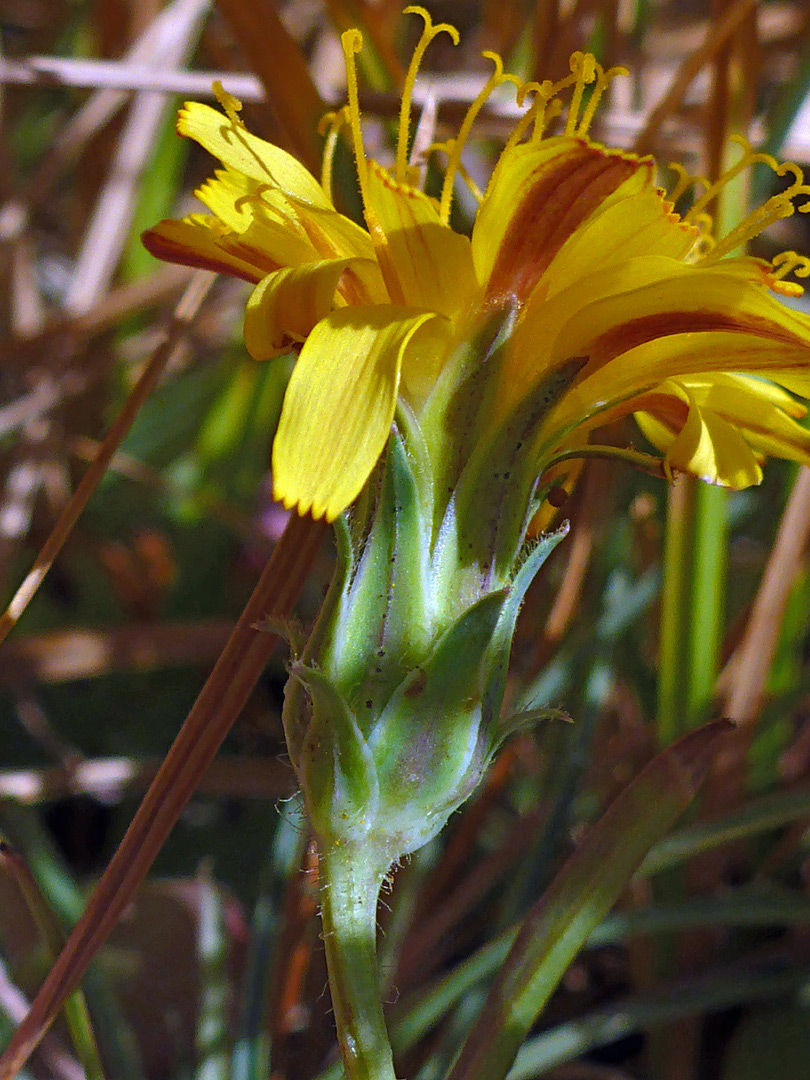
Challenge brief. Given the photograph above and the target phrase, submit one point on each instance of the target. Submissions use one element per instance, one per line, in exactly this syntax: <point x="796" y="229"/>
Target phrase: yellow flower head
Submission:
<point x="580" y="296"/>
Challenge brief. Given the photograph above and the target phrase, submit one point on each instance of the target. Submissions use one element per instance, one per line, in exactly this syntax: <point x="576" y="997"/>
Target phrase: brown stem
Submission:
<point x="220" y="702"/>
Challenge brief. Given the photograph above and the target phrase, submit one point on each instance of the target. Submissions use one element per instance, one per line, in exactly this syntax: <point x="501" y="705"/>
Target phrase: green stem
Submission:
<point x="693" y="606"/>
<point x="674" y="604"/>
<point x="351" y="880"/>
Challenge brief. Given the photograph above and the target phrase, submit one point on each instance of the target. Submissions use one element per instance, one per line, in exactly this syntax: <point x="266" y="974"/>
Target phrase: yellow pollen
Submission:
<point x="230" y="105"/>
<point x="330" y="126"/>
<point x="497" y="78"/>
<point x="429" y="32"/>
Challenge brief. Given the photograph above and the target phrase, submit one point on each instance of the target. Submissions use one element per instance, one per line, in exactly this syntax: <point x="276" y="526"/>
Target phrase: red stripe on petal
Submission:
<point x="628" y="335"/>
<point x="559" y="198"/>
<point x="196" y="249"/>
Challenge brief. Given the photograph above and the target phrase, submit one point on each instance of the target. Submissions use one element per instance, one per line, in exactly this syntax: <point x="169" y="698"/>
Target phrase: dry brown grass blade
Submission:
<point x="718" y="34"/>
<point x="108" y="228"/>
<point x="277" y="60"/>
<point x="60" y="333"/>
<point x="97" y="111"/>
<point x="186" y="312"/>
<point x="53" y="1055"/>
<point x="220" y="702"/>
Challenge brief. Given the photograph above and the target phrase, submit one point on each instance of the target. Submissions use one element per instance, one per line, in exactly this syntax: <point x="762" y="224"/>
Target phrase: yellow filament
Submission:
<point x="230" y="105"/>
<point x="790" y="262"/>
<point x="583" y="70"/>
<point x="777" y="207"/>
<point x="714" y="189"/>
<point x="603" y="79"/>
<point x="774" y="209"/>
<point x="352" y="42"/>
<point x="749" y="158"/>
<point x="471" y="184"/>
<point x="542" y="120"/>
<point x="685" y="181"/>
<point x="330" y="125"/>
<point x="536" y="111"/>
<point x="428" y="34"/>
<point x="447" y="148"/>
<point x="496" y="79"/>
<point x="798" y="187"/>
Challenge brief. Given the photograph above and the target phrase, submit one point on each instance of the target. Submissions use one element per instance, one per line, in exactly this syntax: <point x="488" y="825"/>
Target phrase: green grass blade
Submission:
<point x="579" y="898"/>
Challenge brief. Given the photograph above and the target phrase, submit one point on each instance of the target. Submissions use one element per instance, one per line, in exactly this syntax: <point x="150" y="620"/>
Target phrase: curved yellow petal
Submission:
<point x="695" y="360"/>
<point x="424" y="263"/>
<point x="748" y="388"/>
<point x="236" y="147"/>
<point x="730" y="296"/>
<point x="764" y="413"/>
<point x="631" y="224"/>
<point x="707" y="446"/>
<point x="203" y="241"/>
<point x="332" y="234"/>
<point x="339" y="406"/>
<point x="285" y="306"/>
<point x="531" y="348"/>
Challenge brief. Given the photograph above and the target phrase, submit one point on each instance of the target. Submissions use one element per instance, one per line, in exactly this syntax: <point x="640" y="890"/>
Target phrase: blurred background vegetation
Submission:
<point x="662" y="609"/>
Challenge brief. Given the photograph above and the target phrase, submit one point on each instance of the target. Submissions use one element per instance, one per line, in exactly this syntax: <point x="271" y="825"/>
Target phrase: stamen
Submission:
<point x="447" y="148"/>
<point x="714" y="189"/>
<point x="583" y="70"/>
<point x="685" y="181"/>
<point x="536" y="111"/>
<point x="603" y="79"/>
<point x="352" y="42"/>
<point x="788" y="262"/>
<point x="463" y="172"/>
<point x="428" y="34"/>
<point x="497" y="78"/>
<point x="798" y="187"/>
<point x="229" y="104"/>
<point x="749" y="158"/>
<point x="330" y="126"/>
<point x="776" y="208"/>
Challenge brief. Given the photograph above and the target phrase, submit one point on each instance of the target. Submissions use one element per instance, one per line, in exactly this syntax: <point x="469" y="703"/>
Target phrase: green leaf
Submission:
<point x="760" y="815"/>
<point x="708" y="994"/>
<point x="579" y="897"/>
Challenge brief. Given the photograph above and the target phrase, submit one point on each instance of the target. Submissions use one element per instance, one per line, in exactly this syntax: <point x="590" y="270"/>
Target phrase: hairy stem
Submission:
<point x="351" y="882"/>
